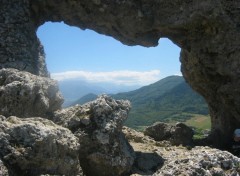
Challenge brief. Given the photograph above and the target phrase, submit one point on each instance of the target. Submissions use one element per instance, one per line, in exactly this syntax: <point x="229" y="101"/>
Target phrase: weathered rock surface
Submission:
<point x="35" y="146"/>
<point x="19" y="45"/>
<point x="133" y="135"/>
<point x="177" y="134"/>
<point x="147" y="163"/>
<point x="159" y="131"/>
<point x="207" y="31"/>
<point x="140" y="138"/>
<point x="104" y="149"/>
<point x="200" y="161"/>
<point x="3" y="169"/>
<point x="23" y="94"/>
<point x="181" y="134"/>
<point x="179" y="161"/>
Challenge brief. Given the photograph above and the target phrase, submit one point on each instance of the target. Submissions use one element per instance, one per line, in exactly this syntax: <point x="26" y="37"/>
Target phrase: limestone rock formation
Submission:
<point x="181" y="134"/>
<point x="23" y="94"/>
<point x="20" y="47"/>
<point x="200" y="161"/>
<point x="159" y="131"/>
<point x="3" y="169"/>
<point x="35" y="146"/>
<point x="104" y="149"/>
<point x="176" y="134"/>
<point x="179" y="160"/>
<point x="207" y="31"/>
<point x="138" y="137"/>
<point x="147" y="163"/>
<point x="133" y="135"/>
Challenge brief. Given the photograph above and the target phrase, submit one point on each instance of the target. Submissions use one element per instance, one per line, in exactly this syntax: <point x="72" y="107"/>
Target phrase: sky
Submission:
<point x="72" y="53"/>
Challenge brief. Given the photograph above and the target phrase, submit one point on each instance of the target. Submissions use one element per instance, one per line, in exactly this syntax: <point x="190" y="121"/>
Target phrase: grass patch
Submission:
<point x="202" y="122"/>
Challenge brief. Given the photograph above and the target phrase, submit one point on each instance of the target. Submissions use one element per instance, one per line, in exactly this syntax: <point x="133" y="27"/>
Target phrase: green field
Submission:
<point x="197" y="121"/>
<point x="202" y="122"/>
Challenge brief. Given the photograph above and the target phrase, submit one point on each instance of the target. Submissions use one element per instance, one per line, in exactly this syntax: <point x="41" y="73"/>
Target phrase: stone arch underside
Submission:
<point x="208" y="31"/>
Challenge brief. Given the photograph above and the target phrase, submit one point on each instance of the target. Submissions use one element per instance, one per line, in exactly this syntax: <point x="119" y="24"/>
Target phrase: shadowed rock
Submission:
<point x="98" y="124"/>
<point x="179" y="160"/>
<point x="23" y="94"/>
<point x="159" y="131"/>
<point x="182" y="134"/>
<point x="147" y="163"/>
<point x="177" y="134"/>
<point x="3" y="169"/>
<point x="36" y="146"/>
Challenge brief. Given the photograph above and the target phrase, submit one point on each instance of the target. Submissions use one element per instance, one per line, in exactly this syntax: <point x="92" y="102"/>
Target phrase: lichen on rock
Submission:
<point x="200" y="161"/>
<point x="98" y="124"/>
<point x="180" y="160"/>
<point x="3" y="169"/>
<point x="208" y="34"/>
<point x="206" y="31"/>
<point x="23" y="94"/>
<point x="35" y="146"/>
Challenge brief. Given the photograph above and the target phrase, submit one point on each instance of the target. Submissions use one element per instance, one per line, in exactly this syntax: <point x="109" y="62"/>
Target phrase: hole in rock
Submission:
<point x="86" y="64"/>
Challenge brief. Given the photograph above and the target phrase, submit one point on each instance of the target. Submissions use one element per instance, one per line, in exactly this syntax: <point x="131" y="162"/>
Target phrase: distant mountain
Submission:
<point x="170" y="99"/>
<point x="73" y="89"/>
<point x="85" y="99"/>
<point x="146" y="93"/>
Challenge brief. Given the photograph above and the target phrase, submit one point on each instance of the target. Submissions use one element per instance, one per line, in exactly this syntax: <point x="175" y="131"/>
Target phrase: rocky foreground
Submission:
<point x="95" y="145"/>
<point x="37" y="137"/>
<point x="161" y="158"/>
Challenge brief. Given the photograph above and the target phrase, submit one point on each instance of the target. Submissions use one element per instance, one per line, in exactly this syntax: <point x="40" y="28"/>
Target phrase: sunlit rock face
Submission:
<point x="207" y="31"/>
<point x="26" y="95"/>
<point x="36" y="146"/>
<point x="104" y="149"/>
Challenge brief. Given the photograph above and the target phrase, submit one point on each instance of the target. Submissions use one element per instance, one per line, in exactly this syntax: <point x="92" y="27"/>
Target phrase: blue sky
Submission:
<point x="72" y="53"/>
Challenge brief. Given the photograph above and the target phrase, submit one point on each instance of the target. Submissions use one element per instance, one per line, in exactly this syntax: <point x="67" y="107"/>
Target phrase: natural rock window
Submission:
<point x="105" y="63"/>
<point x="206" y="31"/>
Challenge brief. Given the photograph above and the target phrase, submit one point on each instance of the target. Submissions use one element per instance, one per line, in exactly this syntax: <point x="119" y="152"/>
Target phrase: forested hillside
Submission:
<point x="170" y="99"/>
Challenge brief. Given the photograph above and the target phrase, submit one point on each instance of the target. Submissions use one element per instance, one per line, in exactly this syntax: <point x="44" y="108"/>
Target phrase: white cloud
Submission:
<point x="124" y="77"/>
<point x="178" y="74"/>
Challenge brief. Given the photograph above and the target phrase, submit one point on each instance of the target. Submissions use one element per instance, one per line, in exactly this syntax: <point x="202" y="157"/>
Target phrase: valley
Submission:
<point x="168" y="100"/>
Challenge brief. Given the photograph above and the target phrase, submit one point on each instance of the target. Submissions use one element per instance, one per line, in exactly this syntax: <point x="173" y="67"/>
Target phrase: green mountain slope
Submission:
<point x="146" y="93"/>
<point x="85" y="99"/>
<point x="170" y="99"/>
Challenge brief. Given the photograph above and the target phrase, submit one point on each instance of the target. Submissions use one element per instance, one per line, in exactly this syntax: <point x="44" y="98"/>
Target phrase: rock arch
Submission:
<point x="206" y="30"/>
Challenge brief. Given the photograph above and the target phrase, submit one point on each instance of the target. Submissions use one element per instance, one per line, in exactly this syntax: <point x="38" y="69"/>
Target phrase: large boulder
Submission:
<point x="23" y="94"/>
<point x="104" y="149"/>
<point x="202" y="161"/>
<point x="180" y="160"/>
<point x="177" y="134"/>
<point x="159" y="131"/>
<point x="182" y="134"/>
<point x="35" y="146"/>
